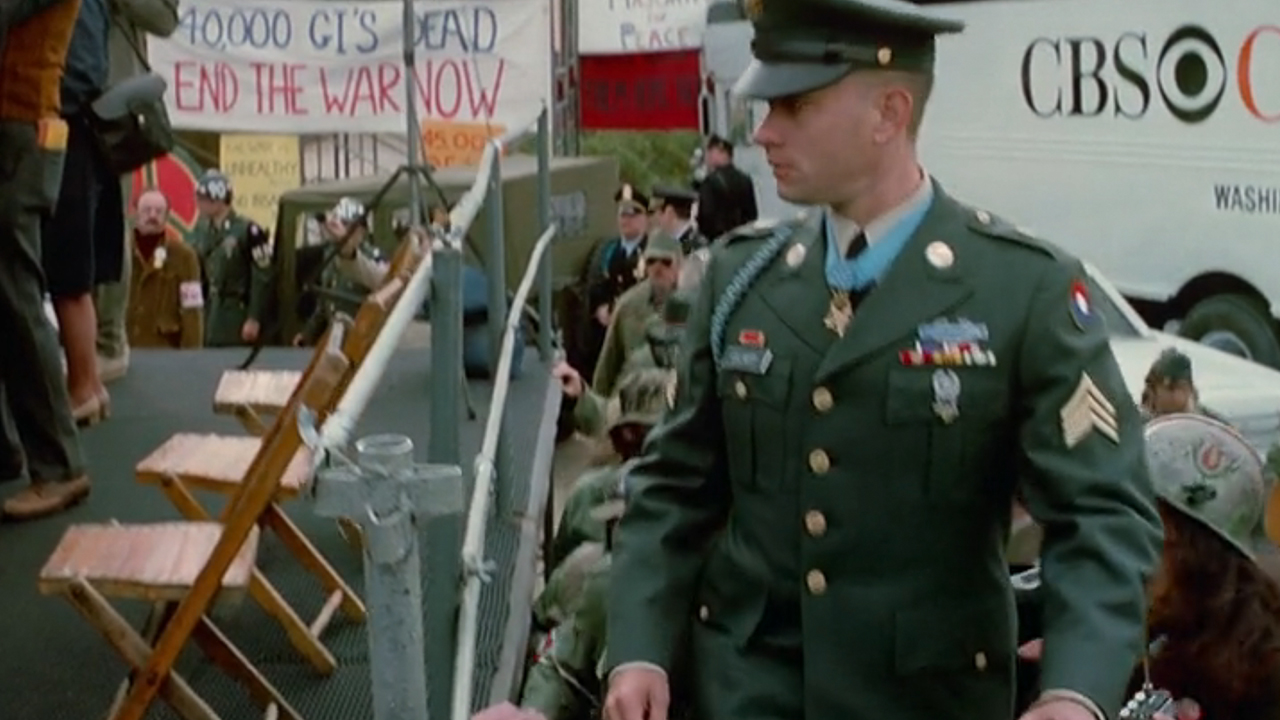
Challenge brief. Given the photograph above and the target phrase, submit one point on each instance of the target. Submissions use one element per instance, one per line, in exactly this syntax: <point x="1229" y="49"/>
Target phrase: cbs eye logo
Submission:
<point x="1188" y="74"/>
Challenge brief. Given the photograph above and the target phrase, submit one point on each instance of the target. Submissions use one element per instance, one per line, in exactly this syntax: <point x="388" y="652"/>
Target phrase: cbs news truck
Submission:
<point x="1142" y="136"/>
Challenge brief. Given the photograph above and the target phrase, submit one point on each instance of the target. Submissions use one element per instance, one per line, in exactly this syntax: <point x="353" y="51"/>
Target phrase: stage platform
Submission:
<point x="55" y="666"/>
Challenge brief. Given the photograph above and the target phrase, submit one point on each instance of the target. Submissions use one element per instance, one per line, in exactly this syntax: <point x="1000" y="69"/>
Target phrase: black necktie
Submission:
<point x="857" y="246"/>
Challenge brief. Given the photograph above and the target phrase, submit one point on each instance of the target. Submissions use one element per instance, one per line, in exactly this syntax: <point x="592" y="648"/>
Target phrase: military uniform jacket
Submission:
<point x="726" y="200"/>
<point x="166" y="301"/>
<point x="236" y="256"/>
<point x="593" y="412"/>
<point x="577" y="527"/>
<point x="611" y="272"/>
<point x="628" y="333"/>
<point x="821" y="510"/>
<point x="564" y="682"/>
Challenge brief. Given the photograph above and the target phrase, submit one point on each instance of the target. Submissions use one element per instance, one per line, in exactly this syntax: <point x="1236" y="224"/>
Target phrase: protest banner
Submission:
<point x="652" y="91"/>
<point x="616" y="27"/>
<point x="297" y="67"/>
<point x="261" y="167"/>
<point x="454" y="144"/>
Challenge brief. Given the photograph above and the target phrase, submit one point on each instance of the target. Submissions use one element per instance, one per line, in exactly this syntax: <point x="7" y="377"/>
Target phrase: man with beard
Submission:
<point x="166" y="302"/>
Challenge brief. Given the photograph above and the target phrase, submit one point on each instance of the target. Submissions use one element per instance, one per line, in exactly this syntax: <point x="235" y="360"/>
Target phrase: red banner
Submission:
<point x="641" y="91"/>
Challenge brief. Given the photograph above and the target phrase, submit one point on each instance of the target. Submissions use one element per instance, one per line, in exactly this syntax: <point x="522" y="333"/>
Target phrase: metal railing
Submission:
<point x="441" y="273"/>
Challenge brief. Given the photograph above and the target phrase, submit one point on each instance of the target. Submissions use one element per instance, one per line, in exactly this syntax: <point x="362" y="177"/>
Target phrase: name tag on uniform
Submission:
<point x="190" y="296"/>
<point x="746" y="359"/>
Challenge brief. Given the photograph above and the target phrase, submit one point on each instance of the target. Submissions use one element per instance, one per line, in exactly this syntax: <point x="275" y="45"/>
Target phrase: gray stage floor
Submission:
<point x="55" y="666"/>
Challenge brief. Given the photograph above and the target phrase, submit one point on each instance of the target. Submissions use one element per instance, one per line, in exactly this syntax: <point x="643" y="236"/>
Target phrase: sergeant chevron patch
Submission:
<point x="1086" y="411"/>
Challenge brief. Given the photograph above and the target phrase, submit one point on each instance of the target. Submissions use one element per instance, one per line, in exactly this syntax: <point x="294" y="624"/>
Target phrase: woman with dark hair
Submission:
<point x="1214" y="620"/>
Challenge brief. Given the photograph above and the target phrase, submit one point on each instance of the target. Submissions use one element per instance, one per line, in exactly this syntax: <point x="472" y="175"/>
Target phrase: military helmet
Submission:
<point x="214" y="185"/>
<point x="1206" y="471"/>
<point x="642" y="396"/>
<point x="347" y="210"/>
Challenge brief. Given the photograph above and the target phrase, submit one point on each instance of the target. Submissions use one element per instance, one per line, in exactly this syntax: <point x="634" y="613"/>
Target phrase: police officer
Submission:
<point x="1170" y="387"/>
<point x="823" y="513"/>
<point x="637" y="310"/>
<point x="641" y="402"/>
<point x="611" y="271"/>
<point x="236" y="255"/>
<point x="675" y="217"/>
<point x="726" y="195"/>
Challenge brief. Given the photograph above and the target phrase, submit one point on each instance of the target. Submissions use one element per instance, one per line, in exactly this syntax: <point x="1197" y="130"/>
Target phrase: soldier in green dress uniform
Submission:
<point x="862" y="389"/>
<point x="637" y="310"/>
<point x="236" y="255"/>
<point x="1170" y="388"/>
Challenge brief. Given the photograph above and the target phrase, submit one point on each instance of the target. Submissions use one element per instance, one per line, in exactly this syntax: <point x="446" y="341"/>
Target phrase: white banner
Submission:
<point x="317" y="66"/>
<point x="616" y="27"/>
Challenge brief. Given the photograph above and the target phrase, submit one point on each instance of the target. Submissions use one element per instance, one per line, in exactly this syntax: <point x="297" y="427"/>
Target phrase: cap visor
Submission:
<point x="768" y="81"/>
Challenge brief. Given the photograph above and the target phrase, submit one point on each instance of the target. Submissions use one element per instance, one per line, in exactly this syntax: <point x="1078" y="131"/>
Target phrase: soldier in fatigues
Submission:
<point x="566" y="678"/>
<point x="638" y="310"/>
<point x="236" y="255"/>
<point x="591" y="412"/>
<point x="641" y="401"/>
<point x="348" y="272"/>
<point x="1170" y="388"/>
<point x="863" y="387"/>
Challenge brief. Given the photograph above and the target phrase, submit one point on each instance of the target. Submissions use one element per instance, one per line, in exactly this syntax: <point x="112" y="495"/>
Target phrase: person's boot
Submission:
<point x="111" y="369"/>
<point x="43" y="499"/>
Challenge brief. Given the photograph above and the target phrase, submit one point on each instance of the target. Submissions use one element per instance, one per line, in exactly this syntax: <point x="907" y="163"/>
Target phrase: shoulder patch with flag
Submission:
<point x="1088" y="410"/>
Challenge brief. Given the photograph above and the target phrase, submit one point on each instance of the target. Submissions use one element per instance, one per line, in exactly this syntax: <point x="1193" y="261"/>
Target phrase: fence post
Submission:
<point x="444" y="535"/>
<point x="392" y="498"/>
<point x="546" y="304"/>
<point x="497" y="262"/>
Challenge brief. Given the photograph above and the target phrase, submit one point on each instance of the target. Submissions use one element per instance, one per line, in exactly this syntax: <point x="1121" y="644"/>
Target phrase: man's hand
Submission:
<point x="640" y="693"/>
<point x="570" y="379"/>
<point x="1059" y="710"/>
<point x="249" y="331"/>
<point x="603" y="315"/>
<point x="507" y="711"/>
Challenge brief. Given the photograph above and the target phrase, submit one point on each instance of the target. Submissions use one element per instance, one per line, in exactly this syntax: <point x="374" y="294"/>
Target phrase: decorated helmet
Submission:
<point x="214" y="185"/>
<point x="1206" y="471"/>
<point x="642" y="396"/>
<point x="347" y="211"/>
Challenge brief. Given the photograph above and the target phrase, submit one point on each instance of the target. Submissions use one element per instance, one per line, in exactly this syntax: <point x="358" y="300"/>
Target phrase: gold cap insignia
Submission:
<point x="753" y="8"/>
<point x="884" y="55"/>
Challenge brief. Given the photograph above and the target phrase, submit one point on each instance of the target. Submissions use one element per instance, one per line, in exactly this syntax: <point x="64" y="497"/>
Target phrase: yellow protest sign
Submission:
<point x="453" y="144"/>
<point x="261" y="167"/>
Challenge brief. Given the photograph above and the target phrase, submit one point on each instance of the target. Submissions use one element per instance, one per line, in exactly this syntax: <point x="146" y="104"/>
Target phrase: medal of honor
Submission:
<point x="946" y="395"/>
<point x="839" y="313"/>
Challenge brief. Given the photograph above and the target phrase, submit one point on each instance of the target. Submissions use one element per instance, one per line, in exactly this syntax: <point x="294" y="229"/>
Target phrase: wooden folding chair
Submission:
<point x="183" y="567"/>
<point x="223" y="463"/>
<point x="250" y="395"/>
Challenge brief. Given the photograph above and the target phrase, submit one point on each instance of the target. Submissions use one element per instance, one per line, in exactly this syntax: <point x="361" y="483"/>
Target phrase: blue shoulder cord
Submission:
<point x="741" y="283"/>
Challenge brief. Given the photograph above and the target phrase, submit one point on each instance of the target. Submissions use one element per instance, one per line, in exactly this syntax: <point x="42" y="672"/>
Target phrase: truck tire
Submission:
<point x="1235" y="324"/>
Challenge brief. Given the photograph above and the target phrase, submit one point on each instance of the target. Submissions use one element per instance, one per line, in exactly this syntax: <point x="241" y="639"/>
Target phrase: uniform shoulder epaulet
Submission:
<point x="756" y="230"/>
<point x="993" y="226"/>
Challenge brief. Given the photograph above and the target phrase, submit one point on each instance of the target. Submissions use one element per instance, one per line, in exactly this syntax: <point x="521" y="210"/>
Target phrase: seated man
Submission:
<point x="642" y="399"/>
<point x="591" y="411"/>
<point x="565" y="680"/>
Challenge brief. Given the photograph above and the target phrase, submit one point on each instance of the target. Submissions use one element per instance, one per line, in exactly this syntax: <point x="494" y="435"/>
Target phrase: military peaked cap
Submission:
<point x="675" y="197"/>
<point x="1172" y="365"/>
<point x="804" y="45"/>
<point x="630" y="200"/>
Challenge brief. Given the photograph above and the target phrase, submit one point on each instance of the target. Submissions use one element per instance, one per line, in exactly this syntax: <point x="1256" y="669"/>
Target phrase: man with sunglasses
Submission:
<point x="637" y="310"/>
